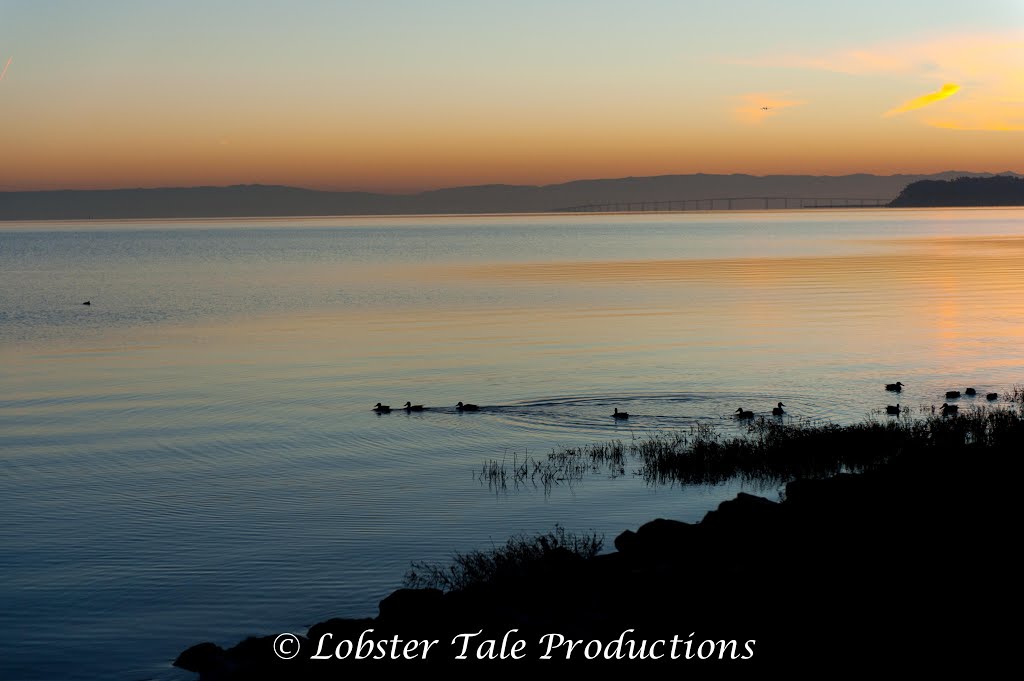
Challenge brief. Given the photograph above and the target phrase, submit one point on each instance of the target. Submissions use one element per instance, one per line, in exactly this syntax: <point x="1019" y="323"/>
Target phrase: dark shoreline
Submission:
<point x="867" y="571"/>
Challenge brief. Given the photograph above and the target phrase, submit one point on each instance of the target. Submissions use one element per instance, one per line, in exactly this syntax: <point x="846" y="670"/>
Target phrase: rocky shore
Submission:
<point x="886" y="570"/>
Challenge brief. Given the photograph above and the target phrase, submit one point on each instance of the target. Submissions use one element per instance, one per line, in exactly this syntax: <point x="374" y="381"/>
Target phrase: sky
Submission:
<point x="400" y="96"/>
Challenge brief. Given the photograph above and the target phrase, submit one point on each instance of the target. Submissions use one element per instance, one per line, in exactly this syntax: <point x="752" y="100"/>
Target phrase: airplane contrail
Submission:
<point x="4" y="72"/>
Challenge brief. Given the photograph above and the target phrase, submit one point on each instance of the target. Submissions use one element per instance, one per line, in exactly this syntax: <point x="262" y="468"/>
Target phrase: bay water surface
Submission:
<point x="194" y="456"/>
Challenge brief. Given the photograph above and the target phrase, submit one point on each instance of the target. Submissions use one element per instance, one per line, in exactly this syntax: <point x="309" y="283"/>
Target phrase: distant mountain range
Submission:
<point x="272" y="200"/>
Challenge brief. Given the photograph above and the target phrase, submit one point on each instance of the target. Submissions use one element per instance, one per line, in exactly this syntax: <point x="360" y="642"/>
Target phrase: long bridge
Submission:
<point x="727" y="203"/>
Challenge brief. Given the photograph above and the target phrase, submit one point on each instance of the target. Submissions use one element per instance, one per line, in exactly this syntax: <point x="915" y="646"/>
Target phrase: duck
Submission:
<point x="620" y="414"/>
<point x="894" y="387"/>
<point x="948" y="409"/>
<point x="741" y="414"/>
<point x="409" y="406"/>
<point x="382" y="408"/>
<point x="467" y="407"/>
<point x="992" y="396"/>
<point x="971" y="391"/>
<point x="951" y="394"/>
<point x="777" y="411"/>
<point x="889" y="409"/>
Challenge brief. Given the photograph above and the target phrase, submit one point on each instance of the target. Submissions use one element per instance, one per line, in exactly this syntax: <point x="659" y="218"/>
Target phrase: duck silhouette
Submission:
<point x="971" y="391"/>
<point x="409" y="406"/>
<point x="952" y="394"/>
<point x="889" y="409"/>
<point x="467" y="407"/>
<point x="894" y="387"/>
<point x="949" y="409"/>
<point x="992" y="396"/>
<point x="777" y="411"/>
<point x="382" y="408"/>
<point x="88" y="302"/>
<point x="620" y="414"/>
<point x="741" y="414"/>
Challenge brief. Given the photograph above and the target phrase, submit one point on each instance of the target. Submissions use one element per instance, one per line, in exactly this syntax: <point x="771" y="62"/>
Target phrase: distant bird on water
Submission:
<point x="382" y="408"/>
<point x="409" y="406"/>
<point x="88" y="302"/>
<point x="894" y="387"/>
<point x="949" y="409"/>
<point x="951" y="394"/>
<point x="971" y="391"/>
<point x="741" y="414"/>
<point x="467" y="407"/>
<point x="889" y="409"/>
<point x="620" y="414"/>
<point x="992" y="396"/>
<point x="777" y="411"/>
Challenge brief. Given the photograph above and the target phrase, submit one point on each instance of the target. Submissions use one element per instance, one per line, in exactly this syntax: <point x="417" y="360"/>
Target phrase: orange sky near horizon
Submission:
<point x="173" y="100"/>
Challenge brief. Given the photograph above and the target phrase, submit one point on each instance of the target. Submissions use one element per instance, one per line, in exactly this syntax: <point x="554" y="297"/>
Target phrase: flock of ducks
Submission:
<point x="777" y="410"/>
<point x="741" y="413"/>
<point x="618" y="415"/>
<point x="410" y="407"/>
<point x="947" y="409"/>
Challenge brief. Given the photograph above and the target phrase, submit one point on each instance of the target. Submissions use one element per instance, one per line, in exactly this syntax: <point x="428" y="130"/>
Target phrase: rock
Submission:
<point x="342" y="628"/>
<point x="201" y="657"/>
<point x="411" y="605"/>
<point x="627" y="542"/>
<point x="665" y="537"/>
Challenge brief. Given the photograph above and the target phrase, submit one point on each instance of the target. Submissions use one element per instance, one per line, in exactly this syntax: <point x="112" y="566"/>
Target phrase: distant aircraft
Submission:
<point x="764" y="108"/>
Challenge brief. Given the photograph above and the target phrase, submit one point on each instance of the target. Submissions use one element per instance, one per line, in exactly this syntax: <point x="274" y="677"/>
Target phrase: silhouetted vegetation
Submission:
<point x="771" y="452"/>
<point x="1001" y="190"/>
<point x="520" y="557"/>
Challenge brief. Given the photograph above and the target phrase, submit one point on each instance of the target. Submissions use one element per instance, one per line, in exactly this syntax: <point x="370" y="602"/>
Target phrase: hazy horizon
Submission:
<point x="952" y="171"/>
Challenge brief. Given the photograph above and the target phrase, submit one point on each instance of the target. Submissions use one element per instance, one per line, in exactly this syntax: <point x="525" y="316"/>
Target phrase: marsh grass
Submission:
<point x="562" y="467"/>
<point x="517" y="558"/>
<point x="772" y="452"/>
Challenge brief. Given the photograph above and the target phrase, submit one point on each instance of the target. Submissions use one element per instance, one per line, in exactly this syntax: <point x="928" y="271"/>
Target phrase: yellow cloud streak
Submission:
<point x="948" y="90"/>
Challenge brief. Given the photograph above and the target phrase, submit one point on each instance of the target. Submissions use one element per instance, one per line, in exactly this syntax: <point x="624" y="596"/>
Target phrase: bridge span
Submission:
<point x="726" y="203"/>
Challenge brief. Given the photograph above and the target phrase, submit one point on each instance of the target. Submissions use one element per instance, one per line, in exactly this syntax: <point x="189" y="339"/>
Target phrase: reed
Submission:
<point x="519" y="557"/>
<point x="772" y="452"/>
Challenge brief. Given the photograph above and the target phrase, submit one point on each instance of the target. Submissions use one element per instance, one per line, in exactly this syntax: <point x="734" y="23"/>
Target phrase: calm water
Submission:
<point x="194" y="456"/>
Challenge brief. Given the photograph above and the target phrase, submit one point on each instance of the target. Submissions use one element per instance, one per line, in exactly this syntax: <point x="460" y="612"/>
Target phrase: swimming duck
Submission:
<point x="620" y="414"/>
<point x="992" y="396"/>
<point x="889" y="409"/>
<point x="409" y="406"/>
<point x="894" y="387"/>
<point x="741" y="414"/>
<point x="951" y="394"/>
<point x="970" y="391"/>
<point x="467" y="407"/>
<point x="948" y="409"/>
<point x="777" y="411"/>
<point x="382" y="408"/>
